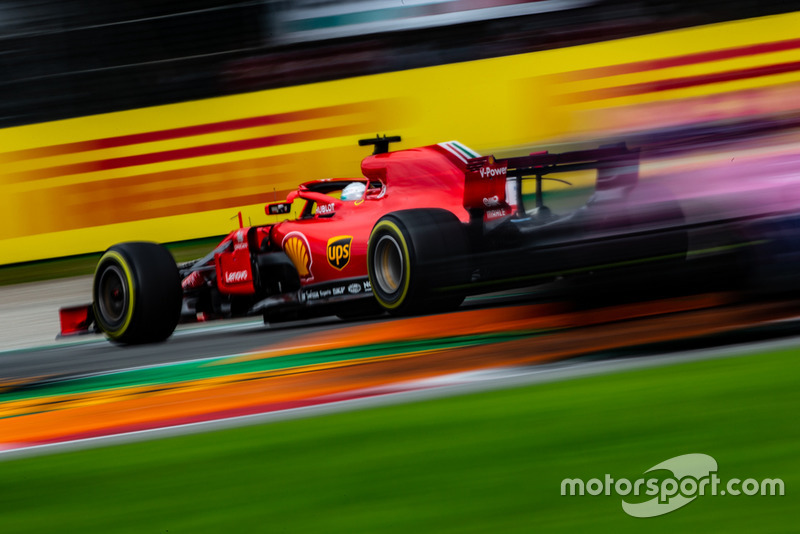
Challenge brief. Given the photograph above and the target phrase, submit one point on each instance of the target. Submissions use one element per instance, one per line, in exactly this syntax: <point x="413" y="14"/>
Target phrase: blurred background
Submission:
<point x="162" y="120"/>
<point x="69" y="58"/>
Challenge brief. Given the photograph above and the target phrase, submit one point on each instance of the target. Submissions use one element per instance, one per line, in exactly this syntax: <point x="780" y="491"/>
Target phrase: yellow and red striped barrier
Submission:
<point x="185" y="170"/>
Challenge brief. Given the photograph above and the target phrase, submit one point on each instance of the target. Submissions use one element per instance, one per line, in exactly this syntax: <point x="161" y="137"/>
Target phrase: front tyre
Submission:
<point x="413" y="257"/>
<point x="137" y="293"/>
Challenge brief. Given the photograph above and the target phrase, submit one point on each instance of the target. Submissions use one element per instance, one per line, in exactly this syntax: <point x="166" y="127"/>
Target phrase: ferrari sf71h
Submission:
<point x="420" y="230"/>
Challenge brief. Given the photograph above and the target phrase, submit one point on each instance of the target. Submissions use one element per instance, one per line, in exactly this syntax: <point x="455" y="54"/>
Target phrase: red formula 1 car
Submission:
<point x="417" y="232"/>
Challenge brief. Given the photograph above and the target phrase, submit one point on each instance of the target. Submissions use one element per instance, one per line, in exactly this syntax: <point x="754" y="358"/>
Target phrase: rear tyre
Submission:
<point x="416" y="260"/>
<point x="137" y="293"/>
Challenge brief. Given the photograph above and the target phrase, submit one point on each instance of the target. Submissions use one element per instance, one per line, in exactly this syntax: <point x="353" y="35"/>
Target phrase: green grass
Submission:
<point x="35" y="271"/>
<point x="489" y="462"/>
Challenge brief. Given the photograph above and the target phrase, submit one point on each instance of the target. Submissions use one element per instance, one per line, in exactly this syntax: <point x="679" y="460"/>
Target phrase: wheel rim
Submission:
<point x="113" y="295"/>
<point x="389" y="265"/>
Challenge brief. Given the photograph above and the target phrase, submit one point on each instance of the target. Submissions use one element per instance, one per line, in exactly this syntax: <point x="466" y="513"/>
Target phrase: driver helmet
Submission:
<point x="353" y="191"/>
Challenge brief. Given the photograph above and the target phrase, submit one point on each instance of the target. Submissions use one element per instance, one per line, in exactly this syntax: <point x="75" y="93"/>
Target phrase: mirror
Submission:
<point x="279" y="208"/>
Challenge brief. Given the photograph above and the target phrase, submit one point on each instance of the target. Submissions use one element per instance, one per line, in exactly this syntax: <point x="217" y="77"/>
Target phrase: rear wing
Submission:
<point x="488" y="185"/>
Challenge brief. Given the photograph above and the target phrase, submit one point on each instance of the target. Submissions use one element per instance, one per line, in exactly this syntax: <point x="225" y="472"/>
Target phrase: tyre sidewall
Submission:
<point x="392" y="227"/>
<point x="115" y="258"/>
<point x="154" y="289"/>
<point x="433" y="245"/>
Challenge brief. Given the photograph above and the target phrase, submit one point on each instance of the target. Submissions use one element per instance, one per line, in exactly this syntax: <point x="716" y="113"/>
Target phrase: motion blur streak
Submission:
<point x="521" y="318"/>
<point x="38" y="418"/>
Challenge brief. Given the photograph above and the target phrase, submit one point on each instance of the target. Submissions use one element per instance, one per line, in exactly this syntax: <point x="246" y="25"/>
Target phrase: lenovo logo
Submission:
<point x="236" y="277"/>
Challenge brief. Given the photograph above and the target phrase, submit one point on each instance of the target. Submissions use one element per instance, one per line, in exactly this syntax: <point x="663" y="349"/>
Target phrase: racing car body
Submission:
<point x="425" y="227"/>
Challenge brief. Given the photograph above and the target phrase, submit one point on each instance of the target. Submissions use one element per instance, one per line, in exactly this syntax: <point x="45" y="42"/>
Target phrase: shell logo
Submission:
<point x="296" y="247"/>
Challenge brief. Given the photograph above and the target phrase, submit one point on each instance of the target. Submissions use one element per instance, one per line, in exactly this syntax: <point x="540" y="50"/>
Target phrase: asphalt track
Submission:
<point x="239" y="372"/>
<point x="94" y="354"/>
<point x="583" y="331"/>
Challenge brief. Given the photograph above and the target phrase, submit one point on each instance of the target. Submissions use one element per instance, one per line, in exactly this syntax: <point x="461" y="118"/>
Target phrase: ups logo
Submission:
<point x="339" y="251"/>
